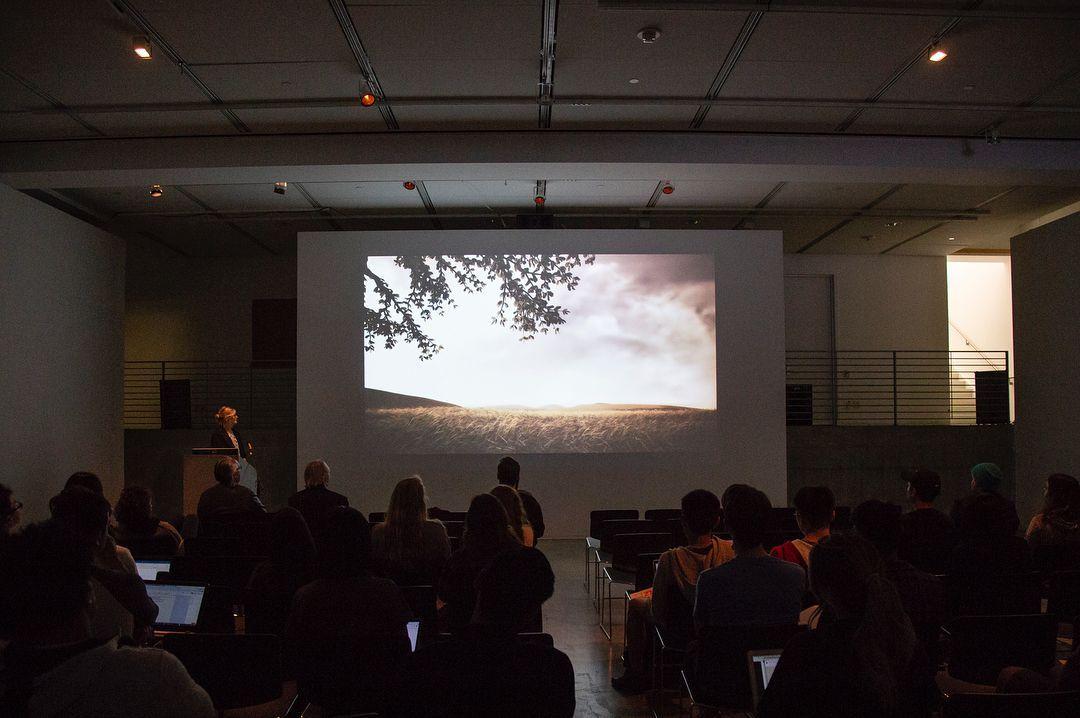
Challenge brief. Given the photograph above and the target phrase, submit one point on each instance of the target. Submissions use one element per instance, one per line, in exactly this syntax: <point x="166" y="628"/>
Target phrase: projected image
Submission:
<point x="540" y="353"/>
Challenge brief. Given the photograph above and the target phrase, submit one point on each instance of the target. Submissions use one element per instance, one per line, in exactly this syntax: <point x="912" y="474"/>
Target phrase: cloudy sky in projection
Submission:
<point x="641" y="330"/>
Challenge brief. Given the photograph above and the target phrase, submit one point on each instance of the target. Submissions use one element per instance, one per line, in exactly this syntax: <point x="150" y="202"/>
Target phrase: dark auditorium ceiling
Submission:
<point x="255" y="70"/>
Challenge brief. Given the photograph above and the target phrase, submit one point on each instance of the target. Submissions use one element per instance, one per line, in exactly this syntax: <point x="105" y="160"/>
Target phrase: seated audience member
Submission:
<point x="10" y="512"/>
<point x="408" y="547"/>
<point x="1014" y="679"/>
<point x="988" y="543"/>
<point x="509" y="472"/>
<point x="753" y="587"/>
<point x="315" y="499"/>
<point x="121" y="605"/>
<point x="137" y="526"/>
<point x="1058" y="524"/>
<point x="227" y="499"/>
<point x="515" y="513"/>
<point x="927" y="536"/>
<point x="274" y="582"/>
<point x="346" y="634"/>
<point x="486" y="536"/>
<point x="986" y="479"/>
<point x="863" y="658"/>
<point x="87" y="480"/>
<point x="670" y="601"/>
<point x="921" y="595"/>
<point x="55" y="666"/>
<point x="490" y="671"/>
<point x="814" y="512"/>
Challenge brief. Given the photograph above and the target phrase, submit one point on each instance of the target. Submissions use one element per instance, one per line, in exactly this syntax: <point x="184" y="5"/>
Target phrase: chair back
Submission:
<point x="625" y="548"/>
<point x="1011" y="705"/>
<point x="163" y="546"/>
<point x="219" y="607"/>
<point x="251" y="529"/>
<point x="232" y="571"/>
<point x="454" y="529"/>
<point x="611" y="527"/>
<point x="352" y="674"/>
<point x="993" y="594"/>
<point x="716" y="661"/>
<point x="646" y="570"/>
<point x="663" y="514"/>
<point x="376" y="517"/>
<point x="444" y="515"/>
<point x="980" y="646"/>
<point x="236" y="671"/>
<point x="595" y="517"/>
<point x="421" y="600"/>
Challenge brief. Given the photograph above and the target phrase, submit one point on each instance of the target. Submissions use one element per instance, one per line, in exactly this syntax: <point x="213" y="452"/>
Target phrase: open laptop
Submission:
<point x="150" y="568"/>
<point x="761" y="664"/>
<point x="414" y="631"/>
<point x="179" y="604"/>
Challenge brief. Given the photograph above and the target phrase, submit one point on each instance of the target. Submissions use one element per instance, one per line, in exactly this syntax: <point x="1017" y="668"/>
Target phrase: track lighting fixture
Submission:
<point x="936" y="54"/>
<point x="280" y="187"/>
<point x="409" y="185"/>
<point x="668" y="188"/>
<point x="155" y="190"/>
<point x="141" y="47"/>
<point x="367" y="99"/>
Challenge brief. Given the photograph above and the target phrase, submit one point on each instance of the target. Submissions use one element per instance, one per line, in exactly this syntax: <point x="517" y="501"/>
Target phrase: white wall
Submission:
<point x="197" y="307"/>
<point x="1046" y="296"/>
<point x="61" y="366"/>
<point x="750" y="379"/>
<point x="882" y="302"/>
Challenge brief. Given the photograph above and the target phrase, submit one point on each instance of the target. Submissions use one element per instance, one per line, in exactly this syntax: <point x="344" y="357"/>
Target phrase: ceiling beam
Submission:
<point x="732" y="58"/>
<point x="1026" y="11"/>
<point x="211" y="212"/>
<point x="546" y="89"/>
<point x="854" y="216"/>
<point x="363" y="62"/>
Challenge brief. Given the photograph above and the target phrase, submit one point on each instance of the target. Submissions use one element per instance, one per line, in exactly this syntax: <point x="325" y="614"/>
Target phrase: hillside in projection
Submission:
<point x="540" y="353"/>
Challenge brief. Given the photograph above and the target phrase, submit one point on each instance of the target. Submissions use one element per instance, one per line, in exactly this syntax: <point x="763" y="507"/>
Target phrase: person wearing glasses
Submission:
<point x="10" y="512"/>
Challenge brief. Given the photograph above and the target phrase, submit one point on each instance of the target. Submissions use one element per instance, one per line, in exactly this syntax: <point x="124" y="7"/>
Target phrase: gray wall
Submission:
<point x="750" y="377"/>
<point x="1046" y="336"/>
<point x="864" y="462"/>
<point x="61" y="333"/>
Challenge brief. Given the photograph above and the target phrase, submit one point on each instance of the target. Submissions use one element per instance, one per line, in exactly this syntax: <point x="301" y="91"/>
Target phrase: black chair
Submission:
<point x="150" y="546"/>
<point x="214" y="546"/>
<point x="993" y="594"/>
<point x="614" y="527"/>
<point x="376" y="517"/>
<point x="444" y="515"/>
<point x="663" y="514"/>
<point x="236" y="671"/>
<point x="592" y="541"/>
<point x="421" y="600"/>
<point x="252" y="530"/>
<point x="625" y="549"/>
<point x="232" y="571"/>
<point x="454" y="529"/>
<point x="980" y="646"/>
<point x="645" y="570"/>
<point x="219" y="609"/>
<point x="1011" y="705"/>
<point x="716" y="673"/>
<point x="352" y="674"/>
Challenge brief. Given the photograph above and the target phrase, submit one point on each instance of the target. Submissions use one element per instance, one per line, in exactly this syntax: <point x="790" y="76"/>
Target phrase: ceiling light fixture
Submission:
<point x="367" y="99"/>
<point x="156" y="191"/>
<point x="141" y="47"/>
<point x="648" y="35"/>
<point x="409" y="185"/>
<point x="634" y="81"/>
<point x="280" y="187"/>
<point x="667" y="188"/>
<point x="936" y="54"/>
<point x="539" y="195"/>
<point x="952" y="239"/>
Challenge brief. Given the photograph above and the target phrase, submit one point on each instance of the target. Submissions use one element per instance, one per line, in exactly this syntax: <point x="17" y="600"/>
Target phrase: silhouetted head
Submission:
<point x="408" y="503"/>
<point x="1062" y="494"/>
<point x="226" y="418"/>
<point x="86" y="480"/>
<point x="515" y="510"/>
<point x="878" y="523"/>
<point x="923" y="485"/>
<point x="512" y="588"/>
<point x="344" y="544"/>
<point x="746" y="514"/>
<point x="509" y="472"/>
<point x="486" y="524"/>
<point x="986" y="477"/>
<point x="227" y="472"/>
<point x="81" y="513"/>
<point x="135" y="510"/>
<point x="700" y="513"/>
<point x="317" y="473"/>
<point x="814" y="508"/>
<point x="291" y="543"/>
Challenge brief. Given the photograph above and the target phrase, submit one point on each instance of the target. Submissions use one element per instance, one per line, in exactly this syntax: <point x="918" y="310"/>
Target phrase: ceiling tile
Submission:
<point x="112" y="200"/>
<point x="482" y="195"/>
<point x="248" y="197"/>
<point x="313" y="119"/>
<point x="283" y="80"/>
<point x="1041" y="125"/>
<point x="365" y="195"/>
<point x="15" y="96"/>
<point x="823" y="194"/>
<point x="29" y="126"/>
<point x="870" y="235"/>
<point x="161" y="124"/>
<point x="444" y="117"/>
<point x="609" y="116"/>
<point x="941" y="197"/>
<point x="955" y="123"/>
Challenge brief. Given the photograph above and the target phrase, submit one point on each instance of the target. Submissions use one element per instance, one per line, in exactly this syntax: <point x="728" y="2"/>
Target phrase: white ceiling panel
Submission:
<point x="248" y="197"/>
<point x="161" y="124"/>
<point x="821" y="194"/>
<point x="113" y="200"/>
<point x="1039" y="125"/>
<point x="870" y="235"/>
<point x="636" y="117"/>
<point x="692" y="193"/>
<point x="826" y="55"/>
<point x="210" y="31"/>
<point x="365" y="195"/>
<point x="315" y="119"/>
<point x="282" y="80"/>
<point x="932" y="196"/>
<point x="490" y="117"/>
<point x="28" y="126"/>
<point x="614" y="194"/>
<point x="993" y="61"/>
<point x="404" y="76"/>
<point x="482" y="195"/>
<point x="955" y="123"/>
<point x="798" y="231"/>
<point x="14" y="96"/>
<point x="774" y="119"/>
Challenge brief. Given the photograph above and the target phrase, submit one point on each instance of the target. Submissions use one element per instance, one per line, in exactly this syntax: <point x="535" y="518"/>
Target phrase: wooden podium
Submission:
<point x="199" y="474"/>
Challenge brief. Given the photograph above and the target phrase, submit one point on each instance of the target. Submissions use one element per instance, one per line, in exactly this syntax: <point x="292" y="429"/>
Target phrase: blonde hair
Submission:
<point x="317" y="473"/>
<point x="515" y="510"/>
<point x="224" y="413"/>
<point x="405" y="517"/>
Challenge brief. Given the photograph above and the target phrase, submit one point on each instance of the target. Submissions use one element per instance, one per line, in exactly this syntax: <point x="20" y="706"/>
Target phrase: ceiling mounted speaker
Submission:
<point x="648" y="35"/>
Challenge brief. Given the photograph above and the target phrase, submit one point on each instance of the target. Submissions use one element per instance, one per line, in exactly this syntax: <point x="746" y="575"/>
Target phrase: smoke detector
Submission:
<point x="648" y="35"/>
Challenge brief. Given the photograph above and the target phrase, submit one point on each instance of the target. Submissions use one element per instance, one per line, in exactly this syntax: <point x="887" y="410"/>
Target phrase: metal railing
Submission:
<point x="186" y="394"/>
<point x="867" y="388"/>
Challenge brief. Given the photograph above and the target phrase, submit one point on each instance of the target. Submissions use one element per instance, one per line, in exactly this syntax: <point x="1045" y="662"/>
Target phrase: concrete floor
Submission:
<point x="570" y="618"/>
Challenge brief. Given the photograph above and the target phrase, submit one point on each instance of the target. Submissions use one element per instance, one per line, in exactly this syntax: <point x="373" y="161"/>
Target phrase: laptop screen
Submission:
<point x="148" y="570"/>
<point x="178" y="605"/>
<point x="414" y="631"/>
<point x="762" y="665"/>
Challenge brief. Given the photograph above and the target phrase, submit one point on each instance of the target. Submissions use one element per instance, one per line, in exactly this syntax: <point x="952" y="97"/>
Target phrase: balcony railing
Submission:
<point x="186" y="394"/>
<point x="845" y="388"/>
<point x="866" y="388"/>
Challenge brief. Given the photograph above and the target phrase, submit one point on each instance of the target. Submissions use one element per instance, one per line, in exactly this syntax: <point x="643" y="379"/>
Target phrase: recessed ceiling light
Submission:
<point x="280" y="187"/>
<point x="367" y="99"/>
<point x="648" y="35"/>
<point x="667" y="188"/>
<point x="952" y="239"/>
<point x="409" y="185"/>
<point x="141" y="47"/>
<point x="894" y="223"/>
<point x="156" y="191"/>
<point x="936" y="54"/>
<point x="634" y="81"/>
